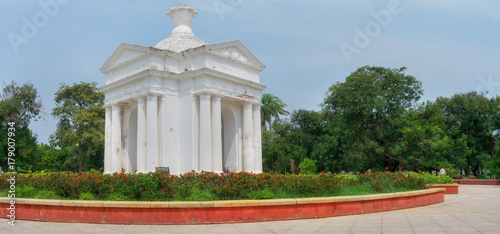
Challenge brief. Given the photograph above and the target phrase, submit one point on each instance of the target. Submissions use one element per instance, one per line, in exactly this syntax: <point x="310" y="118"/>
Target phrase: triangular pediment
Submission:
<point x="124" y="53"/>
<point x="236" y="51"/>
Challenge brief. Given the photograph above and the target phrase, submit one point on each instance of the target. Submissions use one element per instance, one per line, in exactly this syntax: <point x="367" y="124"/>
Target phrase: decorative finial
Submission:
<point x="182" y="15"/>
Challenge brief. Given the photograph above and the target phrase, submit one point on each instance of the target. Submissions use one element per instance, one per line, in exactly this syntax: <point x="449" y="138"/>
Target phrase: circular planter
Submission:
<point x="214" y="211"/>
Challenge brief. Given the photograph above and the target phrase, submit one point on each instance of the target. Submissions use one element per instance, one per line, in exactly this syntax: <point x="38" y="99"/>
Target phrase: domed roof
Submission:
<point x="179" y="43"/>
<point x="182" y="37"/>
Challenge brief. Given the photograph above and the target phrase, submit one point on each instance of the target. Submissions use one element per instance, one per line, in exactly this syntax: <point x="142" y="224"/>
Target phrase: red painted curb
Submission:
<point x="117" y="215"/>
<point x="450" y="188"/>
<point x="478" y="182"/>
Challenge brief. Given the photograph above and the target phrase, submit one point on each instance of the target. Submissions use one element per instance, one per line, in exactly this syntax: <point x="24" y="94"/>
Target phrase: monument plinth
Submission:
<point x="183" y="104"/>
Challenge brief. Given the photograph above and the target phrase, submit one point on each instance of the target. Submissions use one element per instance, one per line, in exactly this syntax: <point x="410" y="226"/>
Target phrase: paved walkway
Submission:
<point x="475" y="210"/>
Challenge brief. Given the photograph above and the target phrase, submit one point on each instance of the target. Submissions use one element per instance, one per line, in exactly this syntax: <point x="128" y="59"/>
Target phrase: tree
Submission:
<point x="272" y="108"/>
<point x="364" y="107"/>
<point x="473" y="118"/>
<point x="51" y="158"/>
<point x="80" y="130"/>
<point x="19" y="105"/>
<point x="281" y="145"/>
<point x="422" y="142"/>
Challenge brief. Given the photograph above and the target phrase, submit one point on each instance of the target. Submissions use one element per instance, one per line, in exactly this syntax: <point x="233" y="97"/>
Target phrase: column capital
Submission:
<point x="247" y="104"/>
<point x="116" y="105"/>
<point x="152" y="97"/>
<point x="205" y="96"/>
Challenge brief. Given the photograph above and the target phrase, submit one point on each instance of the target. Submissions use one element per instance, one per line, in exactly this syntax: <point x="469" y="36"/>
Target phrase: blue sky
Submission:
<point x="452" y="46"/>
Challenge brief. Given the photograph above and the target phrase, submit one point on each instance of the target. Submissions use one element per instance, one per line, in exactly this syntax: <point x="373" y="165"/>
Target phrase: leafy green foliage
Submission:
<point x="280" y="146"/>
<point x="433" y="179"/>
<point x="51" y="158"/>
<point x="307" y="166"/>
<point x="379" y="184"/>
<point x="367" y="108"/>
<point x="80" y="130"/>
<point x="389" y="179"/>
<point x="201" y="195"/>
<point x="117" y="197"/>
<point x="19" y="105"/>
<point x="272" y="108"/>
<point x="86" y="196"/>
<point x="473" y="122"/>
<point x="261" y="194"/>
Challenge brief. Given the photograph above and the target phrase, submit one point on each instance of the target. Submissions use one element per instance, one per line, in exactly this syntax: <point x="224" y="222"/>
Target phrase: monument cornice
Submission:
<point x="167" y="74"/>
<point x="194" y="52"/>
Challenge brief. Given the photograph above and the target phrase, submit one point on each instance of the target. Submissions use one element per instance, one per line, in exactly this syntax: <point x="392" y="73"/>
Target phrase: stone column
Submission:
<point x="248" y="150"/>
<point x="205" y="133"/>
<point x="141" y="135"/>
<point x="152" y="133"/>
<point x="257" y="139"/>
<point x="216" y="135"/>
<point x="161" y="122"/>
<point x="116" y="139"/>
<point x="171" y="153"/>
<point x="107" y="142"/>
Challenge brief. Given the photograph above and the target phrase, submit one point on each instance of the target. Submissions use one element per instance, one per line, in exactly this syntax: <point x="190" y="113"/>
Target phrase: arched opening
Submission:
<point x="132" y="140"/>
<point x="229" y="139"/>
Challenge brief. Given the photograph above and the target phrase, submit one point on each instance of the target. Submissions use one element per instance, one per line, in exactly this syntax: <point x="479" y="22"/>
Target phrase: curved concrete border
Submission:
<point x="450" y="188"/>
<point x="215" y="211"/>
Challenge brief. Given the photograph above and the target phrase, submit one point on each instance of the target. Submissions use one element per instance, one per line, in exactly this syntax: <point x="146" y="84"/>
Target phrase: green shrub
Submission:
<point x="86" y="196"/>
<point x="201" y="195"/>
<point x="181" y="193"/>
<point x="117" y="197"/>
<point x="26" y="192"/>
<point x="307" y="166"/>
<point x="261" y="194"/>
<point x="378" y="184"/>
<point x="46" y="194"/>
<point x="431" y="178"/>
<point x="94" y="171"/>
<point x="397" y="179"/>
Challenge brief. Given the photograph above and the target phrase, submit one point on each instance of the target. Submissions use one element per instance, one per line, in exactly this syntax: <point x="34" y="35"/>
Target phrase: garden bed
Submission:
<point x="206" y="186"/>
<point x="203" y="212"/>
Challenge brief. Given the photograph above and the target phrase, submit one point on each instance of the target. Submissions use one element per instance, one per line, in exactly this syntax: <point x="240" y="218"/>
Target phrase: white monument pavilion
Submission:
<point x="183" y="104"/>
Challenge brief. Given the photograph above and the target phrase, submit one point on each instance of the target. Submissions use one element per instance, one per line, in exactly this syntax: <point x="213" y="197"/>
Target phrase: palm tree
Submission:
<point x="272" y="107"/>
